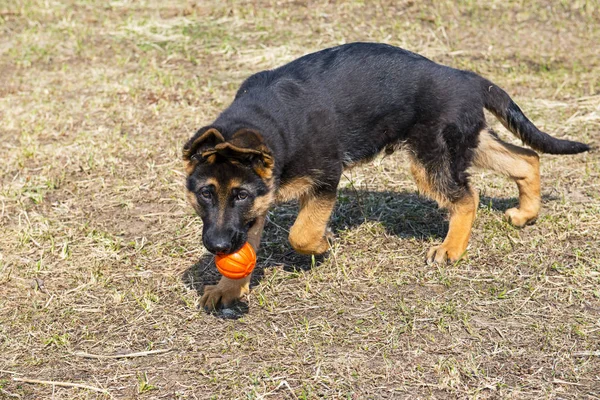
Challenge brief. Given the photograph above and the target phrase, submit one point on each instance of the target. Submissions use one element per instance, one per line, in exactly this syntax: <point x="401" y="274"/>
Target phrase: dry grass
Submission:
<point x="99" y="253"/>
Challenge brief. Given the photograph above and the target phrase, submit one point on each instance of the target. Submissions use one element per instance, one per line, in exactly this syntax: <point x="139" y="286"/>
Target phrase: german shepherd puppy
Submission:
<point x="291" y="131"/>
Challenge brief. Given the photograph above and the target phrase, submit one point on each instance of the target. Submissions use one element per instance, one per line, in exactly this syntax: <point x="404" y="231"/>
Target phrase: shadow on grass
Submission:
<point x="404" y="214"/>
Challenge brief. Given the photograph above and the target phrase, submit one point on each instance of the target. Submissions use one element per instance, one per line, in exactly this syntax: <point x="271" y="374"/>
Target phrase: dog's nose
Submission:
<point x="217" y="245"/>
<point x="221" y="248"/>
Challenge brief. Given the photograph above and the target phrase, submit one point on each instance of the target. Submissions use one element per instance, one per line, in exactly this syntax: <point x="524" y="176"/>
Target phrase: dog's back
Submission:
<point x="357" y="98"/>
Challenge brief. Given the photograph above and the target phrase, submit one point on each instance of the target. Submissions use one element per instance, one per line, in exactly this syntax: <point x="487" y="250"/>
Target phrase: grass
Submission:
<point x="99" y="252"/>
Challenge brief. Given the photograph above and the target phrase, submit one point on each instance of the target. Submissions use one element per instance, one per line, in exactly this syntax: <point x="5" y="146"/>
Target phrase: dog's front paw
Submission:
<point x="519" y="218"/>
<point x="442" y="254"/>
<point x="223" y="294"/>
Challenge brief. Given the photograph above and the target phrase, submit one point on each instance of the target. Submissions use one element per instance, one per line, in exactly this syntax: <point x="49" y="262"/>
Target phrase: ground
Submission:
<point x="100" y="254"/>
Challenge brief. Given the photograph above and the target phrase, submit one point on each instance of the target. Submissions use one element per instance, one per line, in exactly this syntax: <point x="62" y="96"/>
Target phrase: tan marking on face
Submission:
<point x="192" y="199"/>
<point x="233" y="183"/>
<point x="520" y="164"/>
<point x="295" y="189"/>
<point x="212" y="181"/>
<point x="191" y="196"/>
<point x="308" y="234"/>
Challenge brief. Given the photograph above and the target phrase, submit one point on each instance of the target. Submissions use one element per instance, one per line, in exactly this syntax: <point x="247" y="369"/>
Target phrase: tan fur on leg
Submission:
<point x="518" y="163"/>
<point x="462" y="216"/>
<point x="308" y="234"/>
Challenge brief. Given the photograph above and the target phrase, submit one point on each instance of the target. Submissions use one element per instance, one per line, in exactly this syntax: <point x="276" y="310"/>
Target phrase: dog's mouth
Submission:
<point x="237" y="241"/>
<point x="231" y="251"/>
<point x="238" y="244"/>
<point x="240" y="238"/>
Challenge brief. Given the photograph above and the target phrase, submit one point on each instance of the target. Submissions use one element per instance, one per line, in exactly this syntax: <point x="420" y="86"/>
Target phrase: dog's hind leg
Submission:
<point x="308" y="235"/>
<point x="459" y="198"/>
<point x="229" y="290"/>
<point x="518" y="163"/>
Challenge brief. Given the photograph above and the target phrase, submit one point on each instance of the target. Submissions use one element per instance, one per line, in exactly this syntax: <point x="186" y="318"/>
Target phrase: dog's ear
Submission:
<point x="247" y="146"/>
<point x="200" y="147"/>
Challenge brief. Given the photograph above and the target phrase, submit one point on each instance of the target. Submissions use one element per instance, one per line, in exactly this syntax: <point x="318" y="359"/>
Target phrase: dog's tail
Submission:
<point x="504" y="108"/>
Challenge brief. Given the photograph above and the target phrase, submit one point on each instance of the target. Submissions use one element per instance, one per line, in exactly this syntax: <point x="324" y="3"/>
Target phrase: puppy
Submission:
<point x="291" y="131"/>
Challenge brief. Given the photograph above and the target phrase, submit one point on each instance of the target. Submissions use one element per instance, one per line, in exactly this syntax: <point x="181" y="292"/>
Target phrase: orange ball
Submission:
<point x="239" y="264"/>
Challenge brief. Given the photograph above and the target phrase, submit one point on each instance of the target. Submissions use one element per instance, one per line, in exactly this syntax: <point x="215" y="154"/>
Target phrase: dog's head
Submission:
<point x="229" y="184"/>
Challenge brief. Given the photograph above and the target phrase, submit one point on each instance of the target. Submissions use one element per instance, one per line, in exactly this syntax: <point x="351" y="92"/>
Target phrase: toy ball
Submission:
<point x="237" y="265"/>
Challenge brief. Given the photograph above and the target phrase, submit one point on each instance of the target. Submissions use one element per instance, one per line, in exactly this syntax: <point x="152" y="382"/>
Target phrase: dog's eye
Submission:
<point x="242" y="195"/>
<point x="206" y="193"/>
